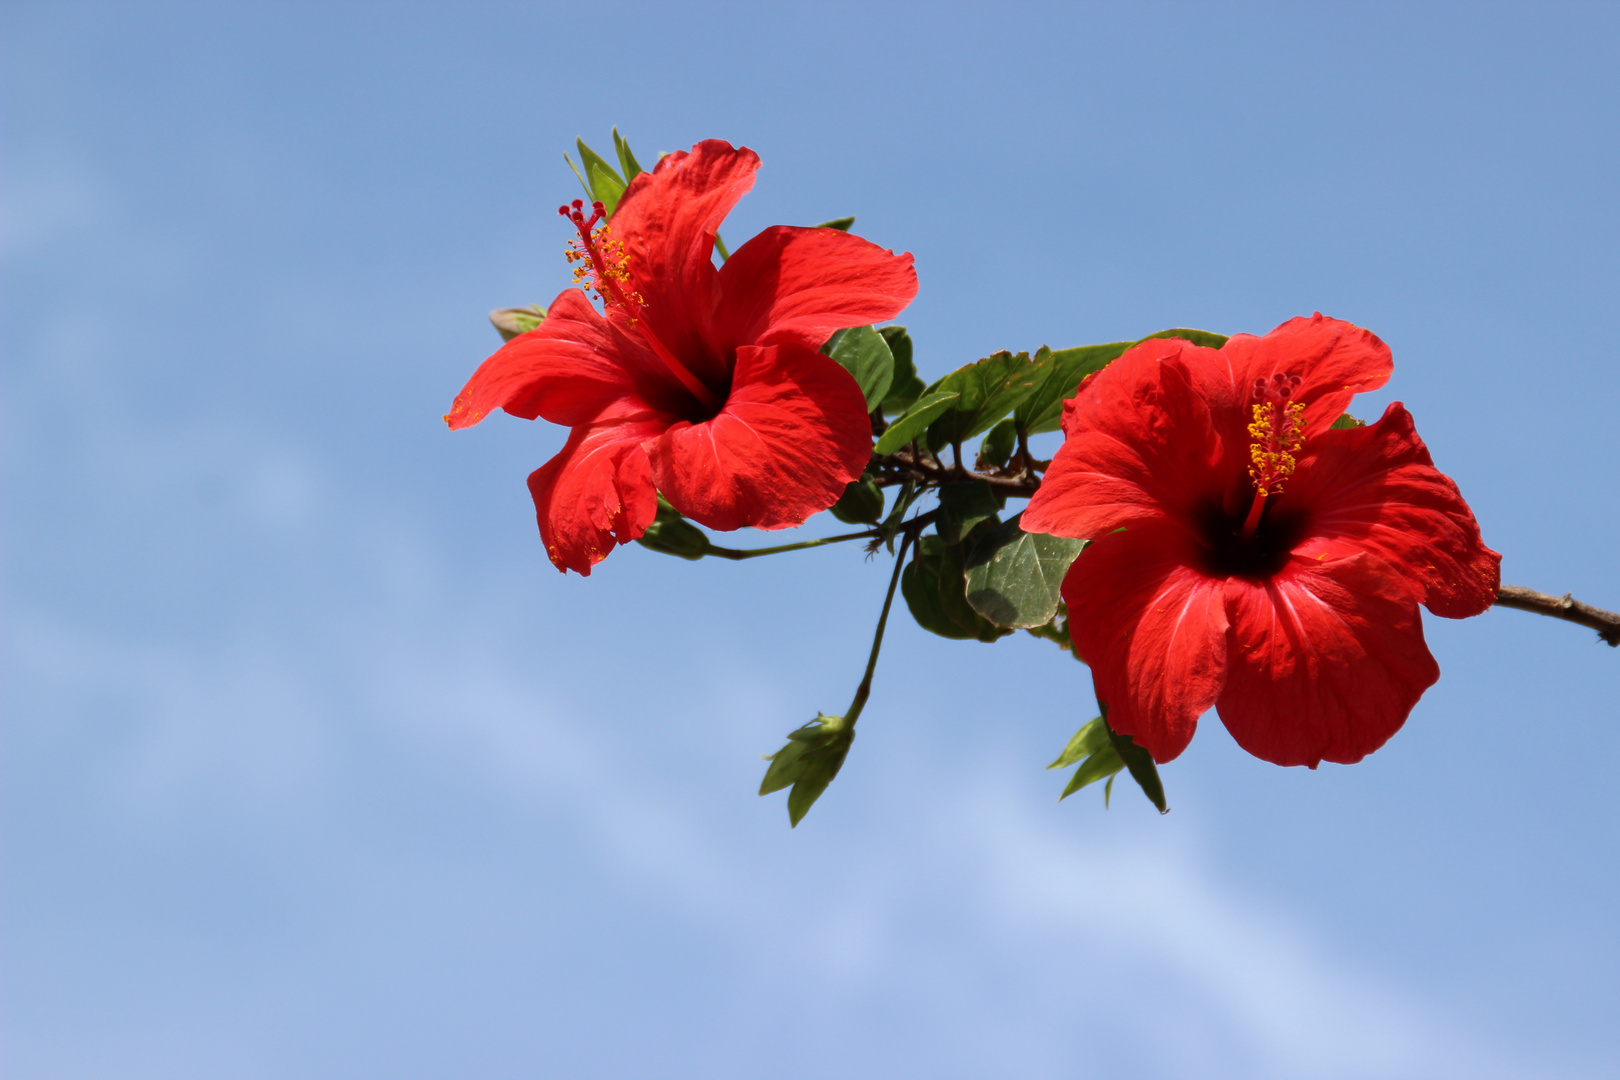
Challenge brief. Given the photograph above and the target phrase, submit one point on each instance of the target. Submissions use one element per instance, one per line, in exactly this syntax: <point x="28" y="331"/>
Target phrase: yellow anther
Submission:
<point x="1277" y="431"/>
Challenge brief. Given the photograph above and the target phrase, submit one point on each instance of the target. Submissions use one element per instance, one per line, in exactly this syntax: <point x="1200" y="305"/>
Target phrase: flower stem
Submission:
<point x="1566" y="607"/>
<point x="865" y="689"/>
<point x="754" y="553"/>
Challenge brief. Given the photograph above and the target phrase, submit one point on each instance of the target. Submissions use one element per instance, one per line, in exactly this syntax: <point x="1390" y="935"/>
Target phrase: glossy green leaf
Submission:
<point x="627" y="161"/>
<point x="988" y="390"/>
<point x="963" y="507"/>
<point x="842" y="224"/>
<point x="809" y="762"/>
<point x="997" y="448"/>
<point x="1014" y="577"/>
<point x="1197" y="337"/>
<point x="914" y="421"/>
<point x="933" y="585"/>
<point x="905" y="387"/>
<point x="1060" y="372"/>
<point x="861" y="503"/>
<point x="863" y="352"/>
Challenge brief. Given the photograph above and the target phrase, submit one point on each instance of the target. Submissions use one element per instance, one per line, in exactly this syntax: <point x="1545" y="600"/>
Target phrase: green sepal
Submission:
<point x="627" y="161"/>
<point x="863" y="352"/>
<point x="861" y="503"/>
<point x="987" y="390"/>
<point x="997" y="448"/>
<point x="605" y="183"/>
<point x="511" y="322"/>
<point x="1014" y="577"/>
<point x="904" y="387"/>
<point x="934" y="586"/>
<point x="811" y="759"/>
<point x="671" y="534"/>
<point x="1139" y="762"/>
<point x="914" y="421"/>
<point x="964" y="507"/>
<point x="842" y="224"/>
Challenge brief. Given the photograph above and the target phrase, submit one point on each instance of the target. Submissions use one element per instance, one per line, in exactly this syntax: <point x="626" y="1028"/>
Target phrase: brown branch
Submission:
<point x="929" y="470"/>
<point x="1565" y="607"/>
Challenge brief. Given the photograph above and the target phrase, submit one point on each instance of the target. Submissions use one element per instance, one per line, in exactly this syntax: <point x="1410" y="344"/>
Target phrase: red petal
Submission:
<point x="567" y="369"/>
<point x="1336" y="359"/>
<point x="1327" y="658"/>
<point x="1153" y="630"/>
<point x="1139" y="447"/>
<point x="792" y="435"/>
<point x="597" y="491"/>
<point x="1377" y="490"/>
<point x="796" y="286"/>
<point x="667" y="221"/>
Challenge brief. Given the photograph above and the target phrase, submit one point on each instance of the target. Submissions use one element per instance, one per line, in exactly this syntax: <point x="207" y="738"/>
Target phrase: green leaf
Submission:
<point x="905" y="387"/>
<point x="1062" y="370"/>
<point x="965" y="506"/>
<point x="988" y="390"/>
<point x="1140" y="764"/>
<point x="861" y="503"/>
<point x="862" y="352"/>
<point x="1343" y="422"/>
<point x="933" y="585"/>
<point x="627" y="160"/>
<point x="914" y="421"/>
<point x="997" y="448"/>
<point x="1014" y="577"/>
<point x="842" y="224"/>
<point x="671" y="534"/>
<point x="810" y="761"/>
<point x="1197" y="337"/>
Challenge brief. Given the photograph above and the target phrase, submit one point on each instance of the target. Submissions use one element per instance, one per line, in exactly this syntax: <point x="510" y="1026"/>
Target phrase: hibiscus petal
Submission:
<point x="667" y="222"/>
<point x="796" y="286"/>
<point x="1376" y="489"/>
<point x="567" y="369"/>
<point x="1139" y="447"/>
<point x="1337" y="360"/>
<point x="597" y="491"/>
<point x="1153" y="630"/>
<point x="1327" y="658"/>
<point x="792" y="435"/>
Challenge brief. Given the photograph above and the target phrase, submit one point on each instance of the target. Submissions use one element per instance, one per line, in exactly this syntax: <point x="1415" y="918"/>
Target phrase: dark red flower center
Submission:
<point x="604" y="268"/>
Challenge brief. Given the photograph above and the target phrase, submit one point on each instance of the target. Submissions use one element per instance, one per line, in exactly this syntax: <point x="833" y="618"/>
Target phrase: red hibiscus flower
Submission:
<point x="706" y="385"/>
<point x="1248" y="556"/>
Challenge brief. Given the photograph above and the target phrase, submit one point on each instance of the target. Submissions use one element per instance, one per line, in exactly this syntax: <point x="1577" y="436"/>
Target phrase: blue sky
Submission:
<point x="313" y="765"/>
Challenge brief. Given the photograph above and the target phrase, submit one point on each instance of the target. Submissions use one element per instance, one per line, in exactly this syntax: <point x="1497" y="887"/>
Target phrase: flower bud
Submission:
<point x="511" y="322"/>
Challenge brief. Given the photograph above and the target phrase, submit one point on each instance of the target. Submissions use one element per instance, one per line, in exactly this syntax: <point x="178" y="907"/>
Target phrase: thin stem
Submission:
<point x="863" y="691"/>
<point x="720" y="246"/>
<point x="754" y="553"/>
<point x="1567" y="608"/>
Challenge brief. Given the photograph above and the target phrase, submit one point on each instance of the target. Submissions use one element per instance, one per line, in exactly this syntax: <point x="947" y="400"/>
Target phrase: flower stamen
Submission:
<point x="1275" y="435"/>
<point x="604" y="268"/>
